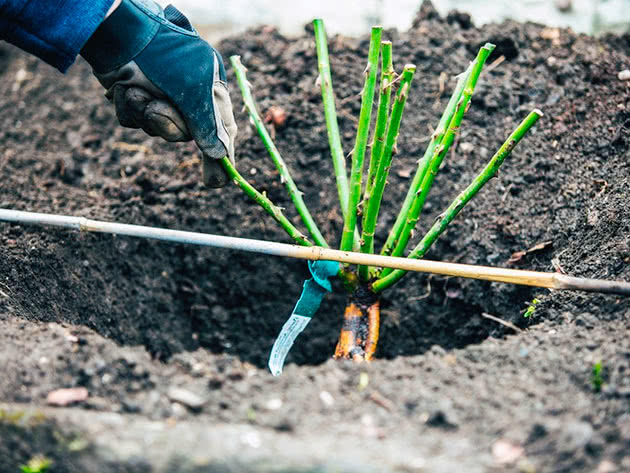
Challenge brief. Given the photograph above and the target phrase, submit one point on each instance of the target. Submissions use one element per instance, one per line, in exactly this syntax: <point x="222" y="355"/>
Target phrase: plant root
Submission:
<point x="359" y="335"/>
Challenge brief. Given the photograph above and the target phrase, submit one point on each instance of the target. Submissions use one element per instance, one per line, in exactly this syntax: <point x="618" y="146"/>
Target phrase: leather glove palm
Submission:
<point x="162" y="77"/>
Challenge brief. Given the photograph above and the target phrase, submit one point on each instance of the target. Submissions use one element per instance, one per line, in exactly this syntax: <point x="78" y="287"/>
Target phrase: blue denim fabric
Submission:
<point x="53" y="30"/>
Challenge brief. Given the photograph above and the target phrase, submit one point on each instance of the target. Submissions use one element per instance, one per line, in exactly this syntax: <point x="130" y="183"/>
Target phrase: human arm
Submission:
<point x="53" y="31"/>
<point x="160" y="75"/>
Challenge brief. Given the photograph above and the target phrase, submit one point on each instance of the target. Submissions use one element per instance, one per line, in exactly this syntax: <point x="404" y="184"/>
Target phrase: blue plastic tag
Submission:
<point x="313" y="293"/>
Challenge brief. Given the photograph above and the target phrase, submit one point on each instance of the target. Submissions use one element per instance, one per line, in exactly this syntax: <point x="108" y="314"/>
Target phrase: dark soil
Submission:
<point x="130" y="319"/>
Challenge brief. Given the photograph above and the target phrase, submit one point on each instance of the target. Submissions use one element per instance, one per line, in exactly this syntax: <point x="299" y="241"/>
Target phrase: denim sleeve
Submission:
<point x="53" y="30"/>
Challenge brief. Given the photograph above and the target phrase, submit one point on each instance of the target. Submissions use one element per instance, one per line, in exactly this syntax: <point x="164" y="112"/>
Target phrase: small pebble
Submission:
<point x="607" y="467"/>
<point x="21" y="75"/>
<point x="197" y="369"/>
<point x="274" y="404"/>
<point x="505" y="452"/>
<point x="326" y="398"/>
<point x="65" y="397"/>
<point x="276" y="115"/>
<point x="187" y="398"/>
<point x="624" y="75"/>
<point x="564" y="5"/>
<point x="575" y="436"/>
<point x="466" y="147"/>
<point x="404" y="173"/>
<point x="178" y="410"/>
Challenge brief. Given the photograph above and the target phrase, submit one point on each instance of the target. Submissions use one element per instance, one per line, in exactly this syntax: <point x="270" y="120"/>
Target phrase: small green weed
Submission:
<point x="529" y="313"/>
<point x="37" y="464"/>
<point x="597" y="376"/>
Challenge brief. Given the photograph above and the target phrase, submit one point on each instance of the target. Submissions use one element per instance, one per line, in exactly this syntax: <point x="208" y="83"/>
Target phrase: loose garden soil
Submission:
<point x="136" y="322"/>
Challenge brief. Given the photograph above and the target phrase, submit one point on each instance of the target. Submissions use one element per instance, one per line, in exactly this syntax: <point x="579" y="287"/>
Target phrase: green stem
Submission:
<point x="294" y="192"/>
<point x="265" y="203"/>
<point x="378" y="142"/>
<point x="358" y="154"/>
<point x="439" y="154"/>
<point x="382" y="117"/>
<point x="330" y="113"/>
<point x="458" y="204"/>
<point x="423" y="164"/>
<point x="370" y="216"/>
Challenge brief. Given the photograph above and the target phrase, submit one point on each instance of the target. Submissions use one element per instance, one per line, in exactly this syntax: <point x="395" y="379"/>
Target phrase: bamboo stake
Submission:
<point x="265" y="203"/>
<point x="420" y="196"/>
<point x="276" y="157"/>
<point x="358" y="154"/>
<point x="330" y="113"/>
<point x="314" y="253"/>
<point x="423" y="163"/>
<point x="370" y="216"/>
<point x="491" y="169"/>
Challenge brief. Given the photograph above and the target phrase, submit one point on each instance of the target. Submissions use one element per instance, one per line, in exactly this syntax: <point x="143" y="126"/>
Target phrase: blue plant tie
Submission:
<point x="313" y="293"/>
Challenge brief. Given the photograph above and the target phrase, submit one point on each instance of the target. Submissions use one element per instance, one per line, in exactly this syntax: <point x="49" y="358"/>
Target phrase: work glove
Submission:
<point x="162" y="77"/>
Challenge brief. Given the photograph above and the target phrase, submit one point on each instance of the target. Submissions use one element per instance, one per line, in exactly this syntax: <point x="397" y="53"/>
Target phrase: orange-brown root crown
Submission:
<point x="359" y="335"/>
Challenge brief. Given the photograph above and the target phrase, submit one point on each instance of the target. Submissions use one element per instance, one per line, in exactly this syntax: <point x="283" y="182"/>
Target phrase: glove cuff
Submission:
<point x="122" y="36"/>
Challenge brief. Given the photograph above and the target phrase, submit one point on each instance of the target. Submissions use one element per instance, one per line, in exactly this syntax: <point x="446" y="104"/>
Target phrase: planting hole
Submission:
<point x="173" y="298"/>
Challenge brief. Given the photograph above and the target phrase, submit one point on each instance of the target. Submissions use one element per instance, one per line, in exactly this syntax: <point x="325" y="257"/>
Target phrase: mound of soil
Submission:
<point x="131" y="320"/>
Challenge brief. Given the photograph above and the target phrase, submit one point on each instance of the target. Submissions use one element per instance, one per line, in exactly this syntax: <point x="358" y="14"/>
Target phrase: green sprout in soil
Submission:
<point x="597" y="377"/>
<point x="36" y="464"/>
<point x="363" y="191"/>
<point x="531" y="310"/>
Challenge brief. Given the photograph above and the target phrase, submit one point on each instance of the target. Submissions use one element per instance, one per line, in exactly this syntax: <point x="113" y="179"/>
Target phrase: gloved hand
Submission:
<point x="165" y="79"/>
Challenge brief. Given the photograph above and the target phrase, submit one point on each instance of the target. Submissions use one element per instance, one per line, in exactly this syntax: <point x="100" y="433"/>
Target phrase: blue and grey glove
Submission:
<point x="162" y="77"/>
